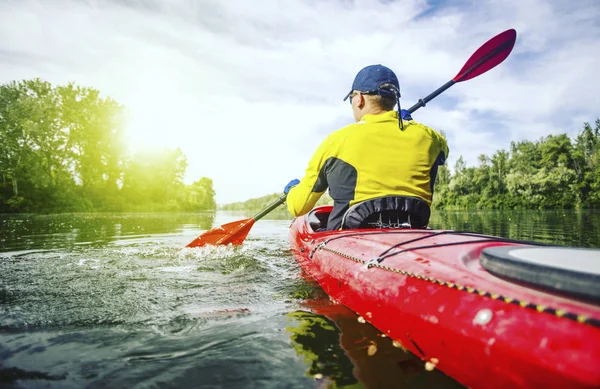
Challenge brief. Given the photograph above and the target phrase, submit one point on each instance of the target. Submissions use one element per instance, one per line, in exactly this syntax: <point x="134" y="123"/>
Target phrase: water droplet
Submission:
<point x="372" y="350"/>
<point x="483" y="317"/>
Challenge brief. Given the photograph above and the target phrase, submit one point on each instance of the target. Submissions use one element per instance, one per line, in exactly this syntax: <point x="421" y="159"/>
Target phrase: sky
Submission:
<point x="249" y="89"/>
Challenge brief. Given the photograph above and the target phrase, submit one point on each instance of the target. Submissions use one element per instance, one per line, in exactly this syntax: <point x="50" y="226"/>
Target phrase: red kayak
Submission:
<point x="489" y="312"/>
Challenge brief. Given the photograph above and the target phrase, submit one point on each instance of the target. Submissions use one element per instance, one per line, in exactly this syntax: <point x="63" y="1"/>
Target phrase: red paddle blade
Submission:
<point x="491" y="54"/>
<point x="234" y="233"/>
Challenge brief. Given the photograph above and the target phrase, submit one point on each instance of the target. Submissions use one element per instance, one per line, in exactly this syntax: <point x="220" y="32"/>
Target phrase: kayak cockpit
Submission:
<point x="317" y="218"/>
<point x="388" y="212"/>
<point x="380" y="212"/>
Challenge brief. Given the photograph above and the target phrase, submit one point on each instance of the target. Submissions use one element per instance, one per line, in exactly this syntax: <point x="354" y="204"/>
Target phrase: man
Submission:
<point x="377" y="156"/>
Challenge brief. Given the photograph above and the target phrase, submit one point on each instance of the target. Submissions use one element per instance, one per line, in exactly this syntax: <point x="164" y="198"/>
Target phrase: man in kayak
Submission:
<point x="378" y="157"/>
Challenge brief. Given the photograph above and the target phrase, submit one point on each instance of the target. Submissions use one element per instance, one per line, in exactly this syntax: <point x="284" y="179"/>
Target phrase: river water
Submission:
<point x="114" y="300"/>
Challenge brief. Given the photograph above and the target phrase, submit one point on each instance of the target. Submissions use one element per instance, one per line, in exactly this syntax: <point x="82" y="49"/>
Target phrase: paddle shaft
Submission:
<point x="422" y="102"/>
<point x="270" y="207"/>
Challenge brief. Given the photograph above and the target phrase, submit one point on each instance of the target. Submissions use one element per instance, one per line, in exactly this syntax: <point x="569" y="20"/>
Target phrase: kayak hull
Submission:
<point x="435" y="299"/>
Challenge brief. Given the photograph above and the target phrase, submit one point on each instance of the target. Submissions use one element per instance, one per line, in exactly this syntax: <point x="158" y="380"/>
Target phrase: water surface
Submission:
<point x="114" y="300"/>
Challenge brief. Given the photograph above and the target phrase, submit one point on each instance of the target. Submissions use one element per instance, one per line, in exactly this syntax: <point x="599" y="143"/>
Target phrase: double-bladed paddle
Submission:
<point x="488" y="56"/>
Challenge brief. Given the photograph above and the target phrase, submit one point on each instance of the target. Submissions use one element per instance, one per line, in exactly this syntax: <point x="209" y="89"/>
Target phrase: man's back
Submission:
<point x="368" y="159"/>
<point x="378" y="156"/>
<point x="388" y="160"/>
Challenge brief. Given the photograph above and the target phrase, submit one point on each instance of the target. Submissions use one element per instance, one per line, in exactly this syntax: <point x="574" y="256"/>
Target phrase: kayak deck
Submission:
<point x="465" y="274"/>
<point x="427" y="290"/>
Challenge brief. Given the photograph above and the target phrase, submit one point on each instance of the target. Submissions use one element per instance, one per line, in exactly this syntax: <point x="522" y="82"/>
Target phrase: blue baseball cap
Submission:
<point x="370" y="79"/>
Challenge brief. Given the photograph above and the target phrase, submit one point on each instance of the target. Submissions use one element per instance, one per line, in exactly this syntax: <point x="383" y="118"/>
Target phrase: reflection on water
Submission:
<point x="564" y="227"/>
<point x="65" y="230"/>
<point x="342" y="352"/>
<point x="316" y="338"/>
<point x="115" y="300"/>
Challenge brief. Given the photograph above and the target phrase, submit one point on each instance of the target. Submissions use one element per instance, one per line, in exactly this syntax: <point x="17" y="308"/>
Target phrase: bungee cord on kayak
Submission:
<point x="376" y="263"/>
<point x="431" y="234"/>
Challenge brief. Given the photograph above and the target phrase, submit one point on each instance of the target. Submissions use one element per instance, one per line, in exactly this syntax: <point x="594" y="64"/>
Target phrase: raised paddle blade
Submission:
<point x="489" y="55"/>
<point x="234" y="233"/>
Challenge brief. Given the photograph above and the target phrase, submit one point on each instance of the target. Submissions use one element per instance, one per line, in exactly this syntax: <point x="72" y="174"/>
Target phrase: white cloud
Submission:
<point x="249" y="89"/>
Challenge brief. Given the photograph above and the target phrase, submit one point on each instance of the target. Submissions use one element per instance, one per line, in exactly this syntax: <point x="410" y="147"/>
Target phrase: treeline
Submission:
<point x="62" y="150"/>
<point x="262" y="202"/>
<point x="551" y="173"/>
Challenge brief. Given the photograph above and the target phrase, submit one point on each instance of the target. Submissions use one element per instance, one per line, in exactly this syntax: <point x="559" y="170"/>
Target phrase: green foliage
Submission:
<point x="154" y="180"/>
<point x="552" y="173"/>
<point x="199" y="196"/>
<point x="62" y="149"/>
<point x="252" y="204"/>
<point x="259" y="203"/>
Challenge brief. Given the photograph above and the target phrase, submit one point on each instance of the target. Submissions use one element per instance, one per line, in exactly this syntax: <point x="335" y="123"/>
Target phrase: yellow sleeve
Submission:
<point x="440" y="141"/>
<point x="443" y="145"/>
<point x="303" y="197"/>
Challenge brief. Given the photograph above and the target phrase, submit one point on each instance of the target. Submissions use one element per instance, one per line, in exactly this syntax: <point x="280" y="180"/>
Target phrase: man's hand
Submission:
<point x="290" y="185"/>
<point x="405" y="115"/>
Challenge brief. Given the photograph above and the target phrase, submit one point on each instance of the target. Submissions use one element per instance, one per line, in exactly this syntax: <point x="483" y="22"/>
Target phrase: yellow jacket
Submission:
<point x="368" y="159"/>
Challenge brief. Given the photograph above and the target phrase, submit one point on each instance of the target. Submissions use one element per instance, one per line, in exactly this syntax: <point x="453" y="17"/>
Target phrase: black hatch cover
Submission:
<point x="569" y="270"/>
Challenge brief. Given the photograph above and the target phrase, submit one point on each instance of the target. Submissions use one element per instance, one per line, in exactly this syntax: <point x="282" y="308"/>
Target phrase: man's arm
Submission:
<point x="443" y="147"/>
<point x="303" y="197"/>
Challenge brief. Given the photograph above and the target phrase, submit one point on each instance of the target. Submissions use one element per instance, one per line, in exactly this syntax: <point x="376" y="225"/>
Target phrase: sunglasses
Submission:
<point x="352" y="95"/>
<point x="364" y="93"/>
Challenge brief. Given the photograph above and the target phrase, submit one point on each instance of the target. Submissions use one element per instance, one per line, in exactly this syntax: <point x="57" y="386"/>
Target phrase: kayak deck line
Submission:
<point x="432" y="234"/>
<point x="386" y="254"/>
<point x="470" y="234"/>
<point x="583" y="319"/>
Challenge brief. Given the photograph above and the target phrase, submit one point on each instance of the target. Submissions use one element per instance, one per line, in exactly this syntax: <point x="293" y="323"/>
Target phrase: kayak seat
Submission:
<point x="318" y="220"/>
<point x="388" y="212"/>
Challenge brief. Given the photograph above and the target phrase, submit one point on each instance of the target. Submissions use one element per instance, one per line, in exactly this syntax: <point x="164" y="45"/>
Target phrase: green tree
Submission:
<point x="441" y="195"/>
<point x="62" y="149"/>
<point x="586" y="161"/>
<point x="154" y="180"/>
<point x="199" y="196"/>
<point x="14" y="141"/>
<point x="34" y="149"/>
<point x="498" y="171"/>
<point x="552" y="172"/>
<point x="462" y="188"/>
<point x="95" y="143"/>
